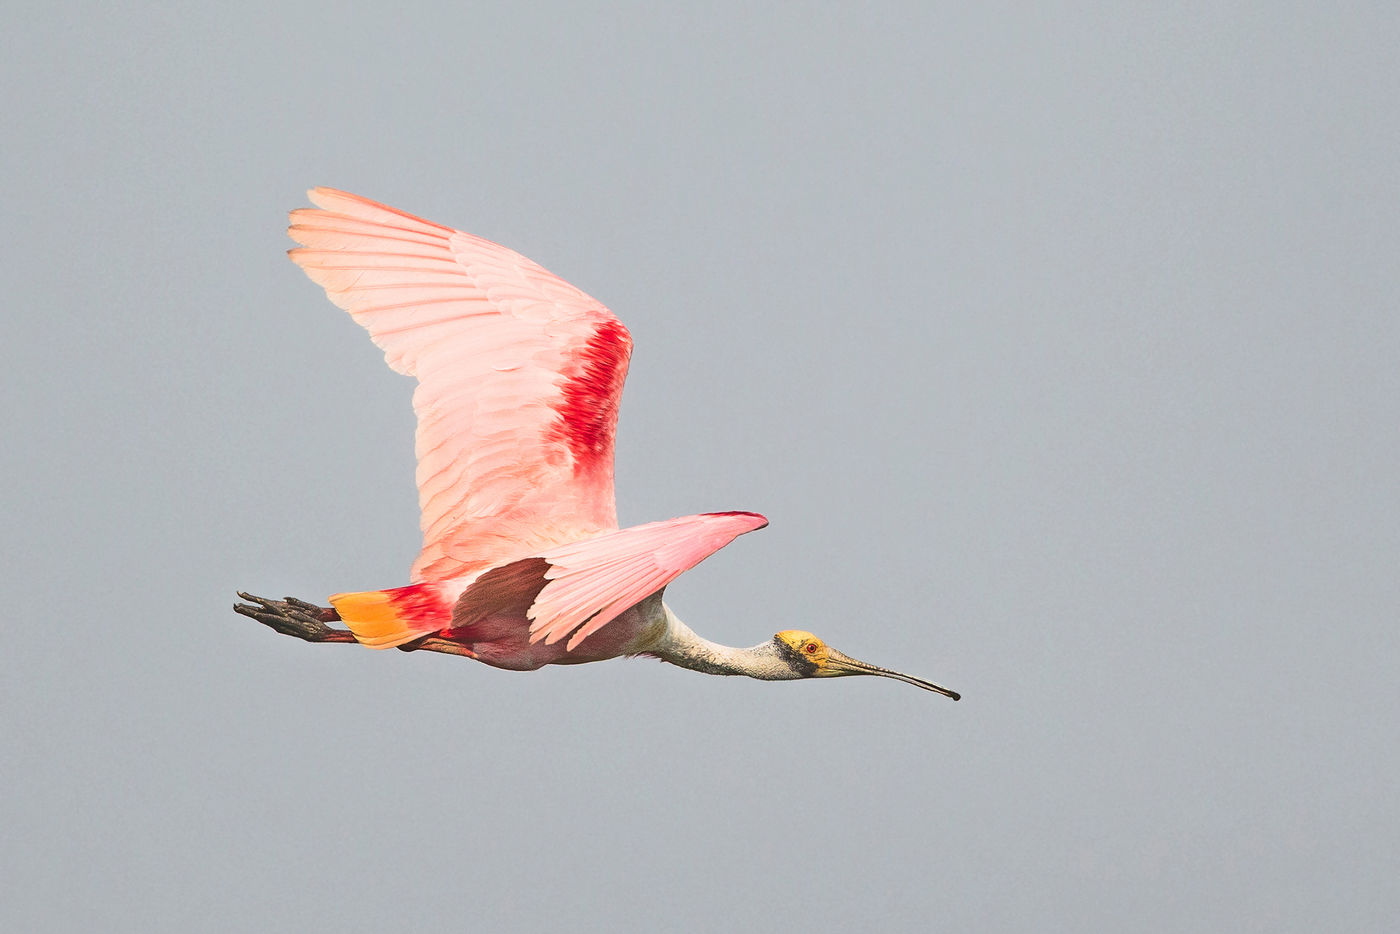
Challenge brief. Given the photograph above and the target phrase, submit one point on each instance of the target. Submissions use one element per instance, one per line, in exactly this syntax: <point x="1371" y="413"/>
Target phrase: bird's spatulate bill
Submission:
<point x="842" y="664"/>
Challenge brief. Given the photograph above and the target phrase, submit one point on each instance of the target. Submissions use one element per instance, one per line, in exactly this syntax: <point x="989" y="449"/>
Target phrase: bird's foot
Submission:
<point x="293" y="617"/>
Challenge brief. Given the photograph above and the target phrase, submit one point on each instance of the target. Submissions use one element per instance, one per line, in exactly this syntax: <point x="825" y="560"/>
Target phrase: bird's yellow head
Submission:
<point x="810" y="657"/>
<point x="806" y="650"/>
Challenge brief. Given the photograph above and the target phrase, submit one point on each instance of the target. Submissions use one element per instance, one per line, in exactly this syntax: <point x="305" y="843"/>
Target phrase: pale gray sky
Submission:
<point x="1060" y="348"/>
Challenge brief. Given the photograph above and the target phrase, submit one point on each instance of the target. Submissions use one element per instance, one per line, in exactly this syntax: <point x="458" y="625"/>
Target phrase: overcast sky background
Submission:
<point x="1059" y="346"/>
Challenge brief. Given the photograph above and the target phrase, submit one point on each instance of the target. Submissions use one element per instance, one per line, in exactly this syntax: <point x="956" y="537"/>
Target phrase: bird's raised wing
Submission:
<point x="590" y="582"/>
<point x="519" y="377"/>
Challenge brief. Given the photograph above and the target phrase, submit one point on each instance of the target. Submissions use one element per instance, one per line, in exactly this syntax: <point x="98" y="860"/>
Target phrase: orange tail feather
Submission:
<point x="382" y="619"/>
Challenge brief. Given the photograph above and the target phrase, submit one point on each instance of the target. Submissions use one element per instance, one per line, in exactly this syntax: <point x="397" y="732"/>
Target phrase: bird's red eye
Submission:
<point x="810" y="647"/>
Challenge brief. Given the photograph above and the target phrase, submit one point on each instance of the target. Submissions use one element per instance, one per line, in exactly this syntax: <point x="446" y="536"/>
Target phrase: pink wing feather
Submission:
<point x="519" y="378"/>
<point x="590" y="582"/>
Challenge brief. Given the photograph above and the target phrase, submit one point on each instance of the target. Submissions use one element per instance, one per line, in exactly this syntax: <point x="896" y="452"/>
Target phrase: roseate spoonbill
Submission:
<point x="519" y="378"/>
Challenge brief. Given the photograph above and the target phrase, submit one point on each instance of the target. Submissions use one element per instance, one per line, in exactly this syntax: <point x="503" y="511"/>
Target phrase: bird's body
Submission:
<point x="519" y="379"/>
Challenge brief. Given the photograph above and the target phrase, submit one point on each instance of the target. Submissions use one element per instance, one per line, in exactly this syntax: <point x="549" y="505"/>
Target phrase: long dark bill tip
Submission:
<point x="920" y="683"/>
<point x="855" y="666"/>
<point x="938" y="688"/>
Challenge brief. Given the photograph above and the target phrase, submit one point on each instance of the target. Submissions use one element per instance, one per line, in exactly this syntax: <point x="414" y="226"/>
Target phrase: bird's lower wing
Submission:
<point x="592" y="581"/>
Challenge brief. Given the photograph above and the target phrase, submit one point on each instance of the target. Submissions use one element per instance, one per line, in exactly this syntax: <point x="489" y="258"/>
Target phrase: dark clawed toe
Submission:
<point x="293" y="617"/>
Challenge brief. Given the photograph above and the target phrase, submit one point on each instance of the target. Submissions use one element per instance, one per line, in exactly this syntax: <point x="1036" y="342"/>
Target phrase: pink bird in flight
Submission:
<point x="519" y="379"/>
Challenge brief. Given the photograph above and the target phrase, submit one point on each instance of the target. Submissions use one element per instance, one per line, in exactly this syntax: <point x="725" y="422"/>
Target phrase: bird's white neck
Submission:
<point x="680" y="646"/>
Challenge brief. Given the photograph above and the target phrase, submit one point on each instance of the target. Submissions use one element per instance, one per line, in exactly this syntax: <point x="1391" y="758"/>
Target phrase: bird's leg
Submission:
<point x="293" y="617"/>
<point x="434" y="644"/>
<point x="307" y="621"/>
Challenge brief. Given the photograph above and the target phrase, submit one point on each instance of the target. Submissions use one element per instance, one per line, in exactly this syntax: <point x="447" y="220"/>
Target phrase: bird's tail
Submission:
<point x="382" y="619"/>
